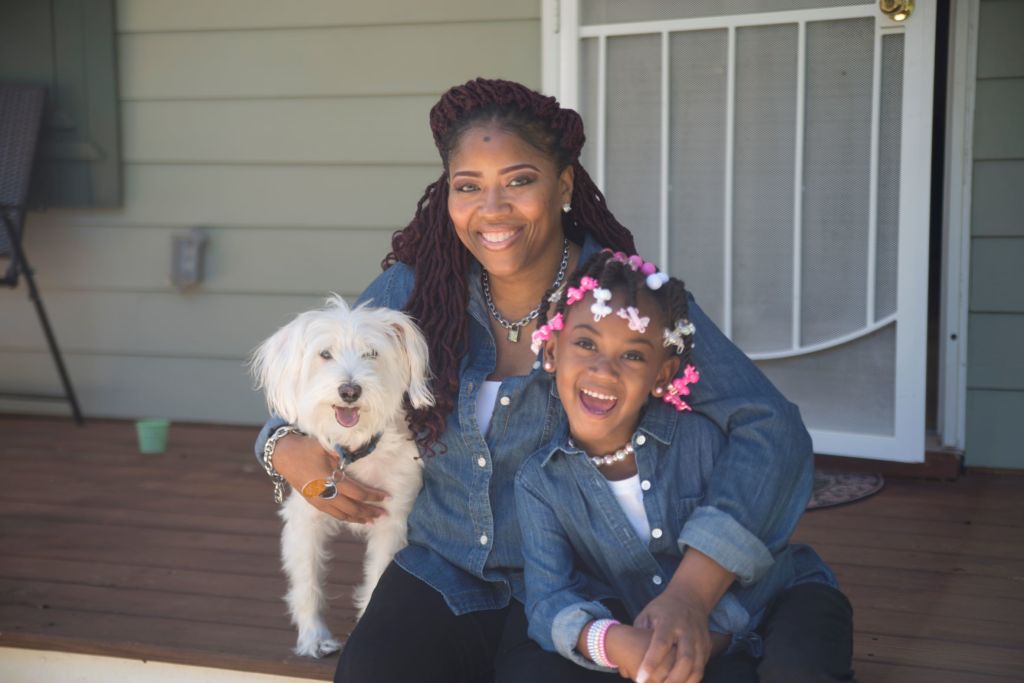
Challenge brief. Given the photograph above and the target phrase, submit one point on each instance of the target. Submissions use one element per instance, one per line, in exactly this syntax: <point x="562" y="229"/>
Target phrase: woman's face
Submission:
<point x="606" y="370"/>
<point x="504" y="199"/>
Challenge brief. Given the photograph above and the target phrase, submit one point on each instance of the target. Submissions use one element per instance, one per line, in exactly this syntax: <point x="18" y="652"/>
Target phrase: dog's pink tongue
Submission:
<point x="346" y="417"/>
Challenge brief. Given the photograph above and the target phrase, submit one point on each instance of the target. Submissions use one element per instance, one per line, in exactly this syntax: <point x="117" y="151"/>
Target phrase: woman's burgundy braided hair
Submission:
<point x="430" y="246"/>
<point x="616" y="276"/>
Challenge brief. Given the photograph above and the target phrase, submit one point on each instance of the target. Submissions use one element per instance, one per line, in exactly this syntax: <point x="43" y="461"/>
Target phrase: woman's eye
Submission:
<point x="370" y="355"/>
<point x="466" y="187"/>
<point x="326" y="355"/>
<point x="521" y="180"/>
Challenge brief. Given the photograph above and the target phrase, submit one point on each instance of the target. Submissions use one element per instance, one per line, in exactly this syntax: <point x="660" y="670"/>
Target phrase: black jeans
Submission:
<point x="408" y="634"/>
<point x="807" y="633"/>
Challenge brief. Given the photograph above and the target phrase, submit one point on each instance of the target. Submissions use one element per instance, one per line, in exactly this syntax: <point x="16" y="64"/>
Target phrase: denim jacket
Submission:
<point x="464" y="537"/>
<point x="580" y="548"/>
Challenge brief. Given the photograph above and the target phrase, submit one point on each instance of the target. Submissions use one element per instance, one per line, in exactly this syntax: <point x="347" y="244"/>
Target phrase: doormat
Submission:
<point x="833" y="488"/>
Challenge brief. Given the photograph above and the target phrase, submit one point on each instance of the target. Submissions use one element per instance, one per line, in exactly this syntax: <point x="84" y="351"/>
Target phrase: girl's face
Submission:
<point x="605" y="371"/>
<point x="504" y="199"/>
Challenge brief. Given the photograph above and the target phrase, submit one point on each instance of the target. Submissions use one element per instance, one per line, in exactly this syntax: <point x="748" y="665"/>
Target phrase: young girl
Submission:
<point x="604" y="506"/>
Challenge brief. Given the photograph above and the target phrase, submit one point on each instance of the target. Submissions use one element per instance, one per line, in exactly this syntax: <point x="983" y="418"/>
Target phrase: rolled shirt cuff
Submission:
<point x="566" y="628"/>
<point x="723" y="539"/>
<point x="269" y="428"/>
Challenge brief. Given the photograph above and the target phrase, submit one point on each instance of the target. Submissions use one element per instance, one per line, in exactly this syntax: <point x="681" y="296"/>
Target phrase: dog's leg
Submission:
<point x="304" y="556"/>
<point x="385" y="538"/>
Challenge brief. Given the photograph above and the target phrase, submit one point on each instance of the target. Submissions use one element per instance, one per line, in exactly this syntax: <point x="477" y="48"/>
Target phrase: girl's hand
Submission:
<point x="626" y="646"/>
<point x="300" y="459"/>
<point x="680" y="644"/>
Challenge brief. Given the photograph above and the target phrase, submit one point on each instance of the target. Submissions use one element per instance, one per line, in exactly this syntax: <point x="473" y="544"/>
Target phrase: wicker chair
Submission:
<point x="21" y="115"/>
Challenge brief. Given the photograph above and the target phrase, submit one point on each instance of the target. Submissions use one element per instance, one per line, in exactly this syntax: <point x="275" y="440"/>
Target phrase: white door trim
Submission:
<point x="956" y="214"/>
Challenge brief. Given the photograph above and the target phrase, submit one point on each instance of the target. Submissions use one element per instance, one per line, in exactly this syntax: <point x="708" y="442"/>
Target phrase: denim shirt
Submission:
<point x="580" y="548"/>
<point x="464" y="537"/>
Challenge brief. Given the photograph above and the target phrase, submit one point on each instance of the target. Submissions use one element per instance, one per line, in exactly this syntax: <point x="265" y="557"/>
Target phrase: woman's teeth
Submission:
<point x="496" y="237"/>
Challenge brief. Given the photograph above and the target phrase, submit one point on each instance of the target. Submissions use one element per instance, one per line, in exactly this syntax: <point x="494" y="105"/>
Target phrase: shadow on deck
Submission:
<point x="173" y="558"/>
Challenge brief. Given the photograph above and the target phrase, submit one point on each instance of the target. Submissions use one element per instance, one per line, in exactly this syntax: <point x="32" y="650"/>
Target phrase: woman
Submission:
<point x="511" y="214"/>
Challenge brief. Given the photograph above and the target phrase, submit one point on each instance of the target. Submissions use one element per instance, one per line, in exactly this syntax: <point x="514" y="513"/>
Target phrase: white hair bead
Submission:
<point x="656" y="280"/>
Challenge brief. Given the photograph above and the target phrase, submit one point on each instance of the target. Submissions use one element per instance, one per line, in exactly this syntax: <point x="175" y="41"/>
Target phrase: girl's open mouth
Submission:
<point x="596" y="402"/>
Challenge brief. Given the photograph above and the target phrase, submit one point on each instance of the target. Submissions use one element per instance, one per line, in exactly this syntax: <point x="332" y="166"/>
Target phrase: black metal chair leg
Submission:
<point x="33" y="293"/>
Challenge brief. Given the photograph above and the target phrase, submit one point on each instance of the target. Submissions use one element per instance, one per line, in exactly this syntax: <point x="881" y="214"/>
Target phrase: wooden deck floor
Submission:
<point x="174" y="558"/>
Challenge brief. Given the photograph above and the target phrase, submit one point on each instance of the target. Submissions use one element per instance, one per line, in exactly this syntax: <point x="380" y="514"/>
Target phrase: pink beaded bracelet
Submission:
<point x="596" y="642"/>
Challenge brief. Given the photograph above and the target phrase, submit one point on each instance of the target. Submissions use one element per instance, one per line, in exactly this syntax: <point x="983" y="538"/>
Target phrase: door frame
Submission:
<point x="956" y="223"/>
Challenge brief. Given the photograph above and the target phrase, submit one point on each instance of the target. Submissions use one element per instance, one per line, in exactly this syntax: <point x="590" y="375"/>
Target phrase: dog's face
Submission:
<point x="340" y="374"/>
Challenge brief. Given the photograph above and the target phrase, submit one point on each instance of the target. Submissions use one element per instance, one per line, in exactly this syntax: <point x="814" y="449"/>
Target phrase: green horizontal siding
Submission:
<point x="995" y="352"/>
<point x="238" y="260"/>
<point x="345" y="130"/>
<point x="374" y="60"/>
<point x="206" y="15"/>
<point x="192" y="389"/>
<point x="993" y="429"/>
<point x="995" y="369"/>
<point x="296" y="134"/>
<point x="1000" y="49"/>
<point x="998" y="206"/>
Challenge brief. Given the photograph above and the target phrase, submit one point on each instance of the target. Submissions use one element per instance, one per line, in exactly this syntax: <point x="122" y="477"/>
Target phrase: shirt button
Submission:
<point x="645" y="485"/>
<point x="483" y="541"/>
<point x="505" y="400"/>
<point x="482" y="462"/>
<point x="656" y="579"/>
<point x="656" y="533"/>
<point x="641" y="439"/>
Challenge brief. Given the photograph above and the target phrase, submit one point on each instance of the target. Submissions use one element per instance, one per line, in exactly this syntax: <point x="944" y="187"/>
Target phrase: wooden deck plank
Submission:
<point x="174" y="558"/>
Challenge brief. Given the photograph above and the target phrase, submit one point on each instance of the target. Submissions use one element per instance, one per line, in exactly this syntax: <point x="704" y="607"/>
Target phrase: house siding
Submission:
<point x="995" y="362"/>
<point x="296" y="135"/>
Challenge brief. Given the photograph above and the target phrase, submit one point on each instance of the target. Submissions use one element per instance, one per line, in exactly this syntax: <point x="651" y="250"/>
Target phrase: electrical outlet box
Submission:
<point x="187" y="258"/>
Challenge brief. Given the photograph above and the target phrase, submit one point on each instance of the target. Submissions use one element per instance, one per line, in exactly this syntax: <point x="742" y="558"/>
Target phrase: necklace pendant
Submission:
<point x="513" y="334"/>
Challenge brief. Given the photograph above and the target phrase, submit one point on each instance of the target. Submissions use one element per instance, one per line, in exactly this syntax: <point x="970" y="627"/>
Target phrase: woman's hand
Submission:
<point x="300" y="459"/>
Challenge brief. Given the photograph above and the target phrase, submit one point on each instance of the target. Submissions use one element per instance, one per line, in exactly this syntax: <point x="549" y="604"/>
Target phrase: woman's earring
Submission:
<point x="549" y="366"/>
<point x="567" y="207"/>
<point x="658" y="391"/>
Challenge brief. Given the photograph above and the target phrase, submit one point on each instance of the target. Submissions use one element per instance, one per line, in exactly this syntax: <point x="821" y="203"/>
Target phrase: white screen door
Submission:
<point x="776" y="158"/>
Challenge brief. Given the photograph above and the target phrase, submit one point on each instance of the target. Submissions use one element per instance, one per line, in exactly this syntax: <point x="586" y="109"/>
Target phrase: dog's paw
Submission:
<point x="318" y="647"/>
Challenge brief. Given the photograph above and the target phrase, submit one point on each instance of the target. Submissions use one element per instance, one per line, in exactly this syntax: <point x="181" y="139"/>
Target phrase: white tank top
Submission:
<point x="485" y="403"/>
<point x="631" y="500"/>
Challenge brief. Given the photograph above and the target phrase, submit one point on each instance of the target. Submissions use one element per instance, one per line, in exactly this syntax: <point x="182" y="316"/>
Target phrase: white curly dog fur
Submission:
<point x="341" y="375"/>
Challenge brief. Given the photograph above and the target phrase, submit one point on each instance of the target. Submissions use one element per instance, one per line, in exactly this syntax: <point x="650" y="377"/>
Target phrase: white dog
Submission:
<point x="341" y="375"/>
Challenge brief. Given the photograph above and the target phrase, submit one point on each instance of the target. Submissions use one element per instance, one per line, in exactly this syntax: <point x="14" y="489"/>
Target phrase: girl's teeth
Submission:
<point x="598" y="396"/>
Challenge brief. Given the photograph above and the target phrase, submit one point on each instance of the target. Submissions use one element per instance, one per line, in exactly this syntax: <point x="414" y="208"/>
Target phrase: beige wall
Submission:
<point x="296" y="134"/>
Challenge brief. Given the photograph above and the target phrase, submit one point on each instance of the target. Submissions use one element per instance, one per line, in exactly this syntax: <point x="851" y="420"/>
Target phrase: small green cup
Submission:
<point x="152" y="435"/>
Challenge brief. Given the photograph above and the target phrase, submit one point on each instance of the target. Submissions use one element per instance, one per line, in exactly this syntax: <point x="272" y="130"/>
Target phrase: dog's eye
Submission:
<point x="370" y="355"/>
<point x="325" y="354"/>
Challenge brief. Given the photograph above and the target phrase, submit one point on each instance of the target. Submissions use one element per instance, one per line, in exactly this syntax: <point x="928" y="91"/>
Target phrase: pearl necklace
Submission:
<point x="514" y="327"/>
<point x="611" y="458"/>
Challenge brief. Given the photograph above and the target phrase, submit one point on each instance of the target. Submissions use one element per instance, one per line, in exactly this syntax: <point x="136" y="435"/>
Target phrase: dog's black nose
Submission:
<point x="349" y="392"/>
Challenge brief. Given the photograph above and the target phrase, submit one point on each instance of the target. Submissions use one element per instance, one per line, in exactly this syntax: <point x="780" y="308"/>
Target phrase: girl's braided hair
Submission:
<point x="614" y="275"/>
<point x="430" y="246"/>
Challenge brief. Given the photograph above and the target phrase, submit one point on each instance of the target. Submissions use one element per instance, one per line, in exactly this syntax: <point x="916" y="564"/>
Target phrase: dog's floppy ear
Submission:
<point x="276" y="365"/>
<point x="414" y="348"/>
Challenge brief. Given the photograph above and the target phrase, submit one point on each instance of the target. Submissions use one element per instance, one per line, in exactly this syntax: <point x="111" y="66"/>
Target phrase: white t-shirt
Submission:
<point x="631" y="500"/>
<point x="485" y="403"/>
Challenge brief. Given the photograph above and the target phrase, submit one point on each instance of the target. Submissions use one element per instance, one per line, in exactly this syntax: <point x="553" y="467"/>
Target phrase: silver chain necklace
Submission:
<point x="514" y="327"/>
